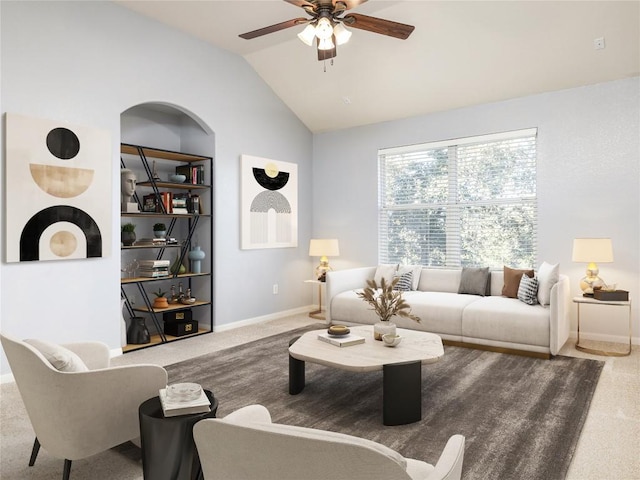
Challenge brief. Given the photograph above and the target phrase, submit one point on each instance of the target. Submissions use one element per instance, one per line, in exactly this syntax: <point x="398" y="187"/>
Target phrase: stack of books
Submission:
<point x="173" y="408"/>
<point x="194" y="173"/>
<point x="154" y="268"/>
<point x="341" y="341"/>
<point x="179" y="203"/>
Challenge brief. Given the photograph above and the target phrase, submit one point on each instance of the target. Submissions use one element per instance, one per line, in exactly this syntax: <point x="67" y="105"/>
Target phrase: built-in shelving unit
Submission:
<point x="151" y="165"/>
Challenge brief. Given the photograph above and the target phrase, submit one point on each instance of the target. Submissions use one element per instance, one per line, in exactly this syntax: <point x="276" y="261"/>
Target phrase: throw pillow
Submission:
<point x="416" y="270"/>
<point x="528" y="290"/>
<point x="548" y="276"/>
<point x="60" y="358"/>
<point x="405" y="282"/>
<point x="512" y="281"/>
<point x="385" y="271"/>
<point x="474" y="281"/>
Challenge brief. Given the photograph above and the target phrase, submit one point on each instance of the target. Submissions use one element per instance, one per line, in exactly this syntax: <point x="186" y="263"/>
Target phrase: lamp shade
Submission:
<point x="324" y="247"/>
<point x="596" y="250"/>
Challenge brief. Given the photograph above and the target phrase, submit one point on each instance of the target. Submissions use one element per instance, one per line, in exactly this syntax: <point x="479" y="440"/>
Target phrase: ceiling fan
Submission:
<point x="326" y="25"/>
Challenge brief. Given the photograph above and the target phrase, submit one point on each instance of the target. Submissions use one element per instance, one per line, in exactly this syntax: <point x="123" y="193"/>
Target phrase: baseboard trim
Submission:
<point x="263" y="318"/>
<point x="490" y="348"/>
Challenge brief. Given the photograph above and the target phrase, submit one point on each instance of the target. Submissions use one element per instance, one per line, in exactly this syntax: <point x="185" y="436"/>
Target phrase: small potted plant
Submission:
<point x="128" y="234"/>
<point x="386" y="302"/>
<point x="160" y="300"/>
<point x="159" y="230"/>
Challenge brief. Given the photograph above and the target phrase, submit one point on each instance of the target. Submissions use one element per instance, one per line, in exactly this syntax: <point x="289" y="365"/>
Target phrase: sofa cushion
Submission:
<point x="60" y="358"/>
<point x="439" y="280"/>
<point x="512" y="278"/>
<point x="548" y="276"/>
<point x="415" y="270"/>
<point x="385" y="271"/>
<point x="528" y="290"/>
<point x="474" y="281"/>
<point x="506" y="320"/>
<point x="405" y="281"/>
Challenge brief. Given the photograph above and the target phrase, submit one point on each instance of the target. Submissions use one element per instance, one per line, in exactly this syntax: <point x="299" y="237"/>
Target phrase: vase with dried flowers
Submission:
<point x="386" y="302"/>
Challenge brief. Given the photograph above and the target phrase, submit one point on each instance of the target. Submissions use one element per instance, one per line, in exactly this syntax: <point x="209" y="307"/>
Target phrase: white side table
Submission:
<point x="591" y="301"/>
<point x="317" y="314"/>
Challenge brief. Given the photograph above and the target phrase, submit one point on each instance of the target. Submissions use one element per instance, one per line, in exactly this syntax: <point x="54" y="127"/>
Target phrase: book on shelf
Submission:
<point x="173" y="408"/>
<point x="344" y="341"/>
<point x="153" y="273"/>
<point x="194" y="173"/>
<point x="154" y="263"/>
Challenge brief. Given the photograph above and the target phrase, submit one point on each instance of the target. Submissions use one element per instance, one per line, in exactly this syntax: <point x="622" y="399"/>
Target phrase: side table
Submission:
<point x="317" y="314"/>
<point x="168" y="449"/>
<point x="591" y="301"/>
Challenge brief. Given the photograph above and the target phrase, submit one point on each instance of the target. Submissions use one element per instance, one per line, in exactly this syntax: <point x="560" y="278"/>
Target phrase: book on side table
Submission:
<point x="342" y="341"/>
<point x="172" y="408"/>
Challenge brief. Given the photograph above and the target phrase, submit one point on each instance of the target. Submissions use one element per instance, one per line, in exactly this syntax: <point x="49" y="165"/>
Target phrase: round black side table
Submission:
<point x="168" y="449"/>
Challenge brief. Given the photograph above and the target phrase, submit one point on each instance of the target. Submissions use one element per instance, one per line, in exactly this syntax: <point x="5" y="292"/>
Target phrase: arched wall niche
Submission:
<point x="167" y="126"/>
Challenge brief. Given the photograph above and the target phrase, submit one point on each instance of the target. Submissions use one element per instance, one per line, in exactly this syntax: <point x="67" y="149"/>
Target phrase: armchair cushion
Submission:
<point x="59" y="357"/>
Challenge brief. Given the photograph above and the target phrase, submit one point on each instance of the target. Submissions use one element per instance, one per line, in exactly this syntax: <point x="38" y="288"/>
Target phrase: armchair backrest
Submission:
<point x="262" y="451"/>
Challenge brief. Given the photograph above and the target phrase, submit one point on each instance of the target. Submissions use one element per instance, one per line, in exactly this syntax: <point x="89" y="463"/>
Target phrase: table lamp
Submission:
<point x="323" y="248"/>
<point x="590" y="251"/>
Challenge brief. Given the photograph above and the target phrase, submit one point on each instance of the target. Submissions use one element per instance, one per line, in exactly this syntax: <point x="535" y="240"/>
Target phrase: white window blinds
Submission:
<point x="464" y="202"/>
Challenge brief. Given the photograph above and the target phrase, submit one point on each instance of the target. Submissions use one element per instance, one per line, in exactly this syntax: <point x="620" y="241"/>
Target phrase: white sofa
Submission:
<point x="246" y="445"/>
<point x="491" y="322"/>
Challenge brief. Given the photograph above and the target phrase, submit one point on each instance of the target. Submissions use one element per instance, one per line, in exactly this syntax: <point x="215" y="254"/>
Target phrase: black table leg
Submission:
<point x="296" y="373"/>
<point x="401" y="393"/>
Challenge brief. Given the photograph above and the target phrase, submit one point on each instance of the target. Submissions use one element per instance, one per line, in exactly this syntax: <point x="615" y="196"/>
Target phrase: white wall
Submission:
<point x="86" y="63"/>
<point x="588" y="180"/>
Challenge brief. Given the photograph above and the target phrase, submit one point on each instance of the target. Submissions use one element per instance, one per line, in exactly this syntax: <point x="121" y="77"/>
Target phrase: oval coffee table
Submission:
<point x="401" y="366"/>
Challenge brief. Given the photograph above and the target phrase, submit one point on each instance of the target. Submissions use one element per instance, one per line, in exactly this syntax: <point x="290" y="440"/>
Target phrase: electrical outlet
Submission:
<point x="275" y="288"/>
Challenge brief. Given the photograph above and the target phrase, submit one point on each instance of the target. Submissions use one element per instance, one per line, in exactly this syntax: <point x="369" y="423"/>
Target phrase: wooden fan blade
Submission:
<point x="378" y="25"/>
<point x="273" y="28"/>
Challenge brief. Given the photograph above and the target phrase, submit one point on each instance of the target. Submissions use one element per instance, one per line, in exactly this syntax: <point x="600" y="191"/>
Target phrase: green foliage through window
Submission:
<point x="466" y="202"/>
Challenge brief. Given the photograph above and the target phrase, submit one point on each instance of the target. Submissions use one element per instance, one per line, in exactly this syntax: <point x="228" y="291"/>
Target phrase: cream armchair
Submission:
<point x="246" y="445"/>
<point x="86" y="409"/>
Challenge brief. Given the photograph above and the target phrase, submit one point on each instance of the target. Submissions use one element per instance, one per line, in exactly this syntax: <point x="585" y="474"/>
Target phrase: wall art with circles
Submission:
<point x="58" y="190"/>
<point x="269" y="203"/>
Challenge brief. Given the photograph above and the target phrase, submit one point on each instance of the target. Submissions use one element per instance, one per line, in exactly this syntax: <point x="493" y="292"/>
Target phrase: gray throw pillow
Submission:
<point x="474" y="281"/>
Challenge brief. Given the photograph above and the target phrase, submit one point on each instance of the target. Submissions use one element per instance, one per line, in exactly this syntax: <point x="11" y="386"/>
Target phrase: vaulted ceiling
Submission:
<point x="461" y="53"/>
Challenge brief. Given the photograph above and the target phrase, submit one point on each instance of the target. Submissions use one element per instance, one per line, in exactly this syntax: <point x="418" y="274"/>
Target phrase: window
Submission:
<point x="457" y="203"/>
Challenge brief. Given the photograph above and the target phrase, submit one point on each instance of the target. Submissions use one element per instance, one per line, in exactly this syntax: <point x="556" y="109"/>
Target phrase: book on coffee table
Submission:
<point x="173" y="408"/>
<point x="343" y="341"/>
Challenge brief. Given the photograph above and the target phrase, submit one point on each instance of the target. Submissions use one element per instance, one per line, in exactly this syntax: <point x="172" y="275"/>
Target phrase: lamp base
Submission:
<point x="588" y="283"/>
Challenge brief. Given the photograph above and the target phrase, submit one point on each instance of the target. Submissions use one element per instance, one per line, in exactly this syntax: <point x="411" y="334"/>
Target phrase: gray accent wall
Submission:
<point x="588" y="180"/>
<point x="86" y="63"/>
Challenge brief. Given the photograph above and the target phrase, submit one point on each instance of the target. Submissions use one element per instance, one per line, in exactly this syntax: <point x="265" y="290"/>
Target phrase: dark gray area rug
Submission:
<point x="521" y="416"/>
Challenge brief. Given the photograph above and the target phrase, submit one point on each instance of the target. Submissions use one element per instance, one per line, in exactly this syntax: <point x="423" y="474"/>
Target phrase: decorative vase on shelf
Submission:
<point x="127" y="238"/>
<point x="196" y="256"/>
<point x="177" y="267"/>
<point x="138" y="333"/>
<point x="383" y="328"/>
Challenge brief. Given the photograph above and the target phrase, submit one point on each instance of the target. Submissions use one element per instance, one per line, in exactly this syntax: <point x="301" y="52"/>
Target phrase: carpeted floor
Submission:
<point x="521" y="416"/>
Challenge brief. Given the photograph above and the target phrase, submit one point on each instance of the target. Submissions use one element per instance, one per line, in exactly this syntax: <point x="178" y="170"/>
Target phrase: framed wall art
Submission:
<point x="269" y="203"/>
<point x="58" y="190"/>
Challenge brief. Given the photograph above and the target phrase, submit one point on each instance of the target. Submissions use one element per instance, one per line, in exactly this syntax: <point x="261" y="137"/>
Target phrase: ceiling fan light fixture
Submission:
<point x="308" y="34"/>
<point x="325" y="44"/>
<point x="324" y="29"/>
<point x="341" y="33"/>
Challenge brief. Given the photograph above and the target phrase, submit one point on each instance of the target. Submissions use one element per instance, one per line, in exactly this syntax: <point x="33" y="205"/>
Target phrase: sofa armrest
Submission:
<point x="559" y="319"/>
<point x="344" y="280"/>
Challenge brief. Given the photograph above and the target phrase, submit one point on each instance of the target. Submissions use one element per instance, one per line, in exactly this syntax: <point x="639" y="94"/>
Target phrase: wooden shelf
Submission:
<point x="168" y="277"/>
<point x="133" y="247"/>
<point x="170" y="308"/>
<point x="156" y="340"/>
<point x="163" y="215"/>
<point x="163" y="154"/>
<point x="182" y="186"/>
